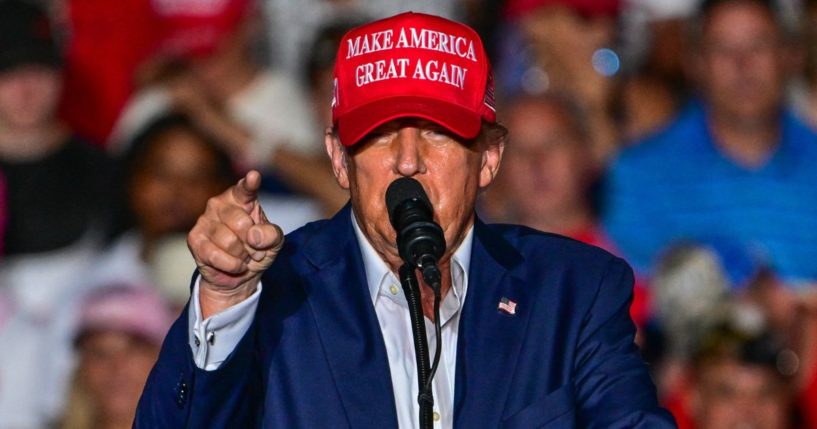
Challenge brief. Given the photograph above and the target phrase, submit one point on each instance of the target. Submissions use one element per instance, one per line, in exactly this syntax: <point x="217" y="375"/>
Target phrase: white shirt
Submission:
<point x="212" y="340"/>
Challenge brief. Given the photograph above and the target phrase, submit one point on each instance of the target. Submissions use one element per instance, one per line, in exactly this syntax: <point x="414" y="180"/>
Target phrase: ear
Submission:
<point x="338" y="157"/>
<point x="491" y="158"/>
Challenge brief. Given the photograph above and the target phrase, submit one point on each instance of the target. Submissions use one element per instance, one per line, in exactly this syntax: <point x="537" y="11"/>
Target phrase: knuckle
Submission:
<point x="229" y="240"/>
<point x="243" y="223"/>
<point x="213" y="257"/>
<point x="212" y="204"/>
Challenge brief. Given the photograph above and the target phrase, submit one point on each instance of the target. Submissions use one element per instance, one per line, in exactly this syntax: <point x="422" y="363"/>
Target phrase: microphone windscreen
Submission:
<point x="402" y="189"/>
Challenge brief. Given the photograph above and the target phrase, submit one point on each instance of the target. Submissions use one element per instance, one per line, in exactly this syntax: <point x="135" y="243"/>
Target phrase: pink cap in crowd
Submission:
<point x="138" y="311"/>
<point x="412" y="65"/>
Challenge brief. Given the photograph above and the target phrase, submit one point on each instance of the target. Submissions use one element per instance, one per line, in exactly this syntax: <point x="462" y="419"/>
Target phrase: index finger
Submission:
<point x="246" y="190"/>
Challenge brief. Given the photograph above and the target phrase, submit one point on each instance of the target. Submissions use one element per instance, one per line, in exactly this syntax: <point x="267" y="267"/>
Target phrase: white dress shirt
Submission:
<point x="212" y="340"/>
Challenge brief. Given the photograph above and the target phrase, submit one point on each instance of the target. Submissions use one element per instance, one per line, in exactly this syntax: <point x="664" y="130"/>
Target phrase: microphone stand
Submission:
<point x="408" y="280"/>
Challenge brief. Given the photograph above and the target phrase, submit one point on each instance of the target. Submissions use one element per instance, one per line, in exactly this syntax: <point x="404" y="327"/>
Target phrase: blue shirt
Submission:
<point x="677" y="185"/>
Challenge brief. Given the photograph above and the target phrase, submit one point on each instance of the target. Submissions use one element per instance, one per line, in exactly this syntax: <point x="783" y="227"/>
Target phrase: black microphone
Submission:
<point x="420" y="240"/>
<point x="421" y="244"/>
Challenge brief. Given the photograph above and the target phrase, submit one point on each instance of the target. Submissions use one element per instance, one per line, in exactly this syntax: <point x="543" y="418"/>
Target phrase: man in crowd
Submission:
<point x="547" y="176"/>
<point x="735" y="166"/>
<point x="313" y="332"/>
<point x="55" y="209"/>
<point x="742" y="379"/>
<point x="56" y="185"/>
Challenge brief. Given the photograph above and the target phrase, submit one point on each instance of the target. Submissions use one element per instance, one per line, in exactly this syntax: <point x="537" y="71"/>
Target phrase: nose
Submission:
<point x="409" y="159"/>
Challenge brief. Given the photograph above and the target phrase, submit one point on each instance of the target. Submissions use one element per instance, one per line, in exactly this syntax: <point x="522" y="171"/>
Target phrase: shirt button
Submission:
<point x="211" y="338"/>
<point x="394" y="289"/>
<point x="196" y="340"/>
<point x="436" y="416"/>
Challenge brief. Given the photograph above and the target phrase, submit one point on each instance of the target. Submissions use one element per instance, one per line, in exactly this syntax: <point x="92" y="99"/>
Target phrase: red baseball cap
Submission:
<point x="412" y="65"/>
<point x="515" y="9"/>
<point x="195" y="28"/>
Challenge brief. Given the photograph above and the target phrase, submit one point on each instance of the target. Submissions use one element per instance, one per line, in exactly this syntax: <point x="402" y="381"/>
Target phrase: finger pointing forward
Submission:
<point x="245" y="192"/>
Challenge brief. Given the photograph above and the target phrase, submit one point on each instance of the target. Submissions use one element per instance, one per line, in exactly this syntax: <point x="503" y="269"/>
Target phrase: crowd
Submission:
<point x="677" y="134"/>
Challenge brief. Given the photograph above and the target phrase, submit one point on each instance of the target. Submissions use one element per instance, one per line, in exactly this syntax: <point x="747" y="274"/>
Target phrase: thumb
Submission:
<point x="246" y="190"/>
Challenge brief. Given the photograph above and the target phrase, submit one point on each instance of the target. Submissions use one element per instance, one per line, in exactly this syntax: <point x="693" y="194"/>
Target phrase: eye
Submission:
<point x="437" y="133"/>
<point x="379" y="135"/>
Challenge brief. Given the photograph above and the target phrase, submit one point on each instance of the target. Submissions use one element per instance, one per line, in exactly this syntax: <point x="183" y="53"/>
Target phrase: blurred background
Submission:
<point x="677" y="134"/>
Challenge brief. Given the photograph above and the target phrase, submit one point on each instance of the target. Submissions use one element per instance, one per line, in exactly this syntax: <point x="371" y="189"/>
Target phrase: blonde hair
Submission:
<point x="80" y="412"/>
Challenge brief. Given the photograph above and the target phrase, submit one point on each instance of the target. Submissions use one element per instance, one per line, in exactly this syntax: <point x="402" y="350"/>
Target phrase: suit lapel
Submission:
<point x="489" y="340"/>
<point x="348" y="326"/>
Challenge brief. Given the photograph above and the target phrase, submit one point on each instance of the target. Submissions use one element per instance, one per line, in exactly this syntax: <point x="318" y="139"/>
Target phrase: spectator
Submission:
<point x="57" y="209"/>
<point x="260" y="117"/>
<point x="57" y="187"/>
<point x="566" y="46"/>
<point x="741" y="380"/>
<point x="654" y="85"/>
<point x="736" y="165"/>
<point x="548" y="174"/>
<point x="699" y="289"/>
<point x="171" y="170"/>
<point x="691" y="294"/>
<point x="120" y="332"/>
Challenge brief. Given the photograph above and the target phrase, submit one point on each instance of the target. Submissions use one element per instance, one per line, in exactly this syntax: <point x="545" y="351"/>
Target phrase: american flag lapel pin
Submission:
<point x="507" y="305"/>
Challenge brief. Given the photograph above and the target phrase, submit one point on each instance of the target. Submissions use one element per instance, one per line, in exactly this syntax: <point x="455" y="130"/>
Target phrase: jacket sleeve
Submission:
<point x="178" y="394"/>
<point x="613" y="386"/>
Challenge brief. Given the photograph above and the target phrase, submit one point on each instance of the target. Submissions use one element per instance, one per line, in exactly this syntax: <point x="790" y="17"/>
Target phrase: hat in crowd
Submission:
<point x="138" y="311"/>
<point x="412" y="65"/>
<point x="25" y="36"/>
<point x="760" y="348"/>
<point x="658" y="10"/>
<point x="515" y="9"/>
<point x="196" y="28"/>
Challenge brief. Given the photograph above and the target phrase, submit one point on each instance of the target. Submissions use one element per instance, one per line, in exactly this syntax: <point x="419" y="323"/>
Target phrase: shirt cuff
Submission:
<point x="212" y="340"/>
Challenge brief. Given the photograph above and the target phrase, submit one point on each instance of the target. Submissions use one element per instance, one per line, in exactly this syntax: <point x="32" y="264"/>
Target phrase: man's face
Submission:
<point x="28" y="96"/>
<point x="742" y="62"/>
<point x="547" y="163"/>
<point x="450" y="170"/>
<point x="732" y="395"/>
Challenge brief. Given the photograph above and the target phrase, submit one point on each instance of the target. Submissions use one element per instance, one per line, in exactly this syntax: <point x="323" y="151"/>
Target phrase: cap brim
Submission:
<point x="356" y="124"/>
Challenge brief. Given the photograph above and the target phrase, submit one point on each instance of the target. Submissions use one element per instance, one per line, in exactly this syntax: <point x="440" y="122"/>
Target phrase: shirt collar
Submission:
<point x="376" y="268"/>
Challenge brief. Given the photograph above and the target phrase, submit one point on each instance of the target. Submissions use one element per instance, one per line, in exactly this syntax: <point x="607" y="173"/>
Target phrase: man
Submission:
<point x="56" y="185"/>
<point x="548" y="169"/>
<point x="314" y="332"/>
<point x="55" y="208"/>
<point x="738" y="383"/>
<point x="547" y="175"/>
<point x="736" y="166"/>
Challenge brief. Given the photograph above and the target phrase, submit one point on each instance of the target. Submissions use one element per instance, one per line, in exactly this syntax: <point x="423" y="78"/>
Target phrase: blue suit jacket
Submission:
<point x="315" y="357"/>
